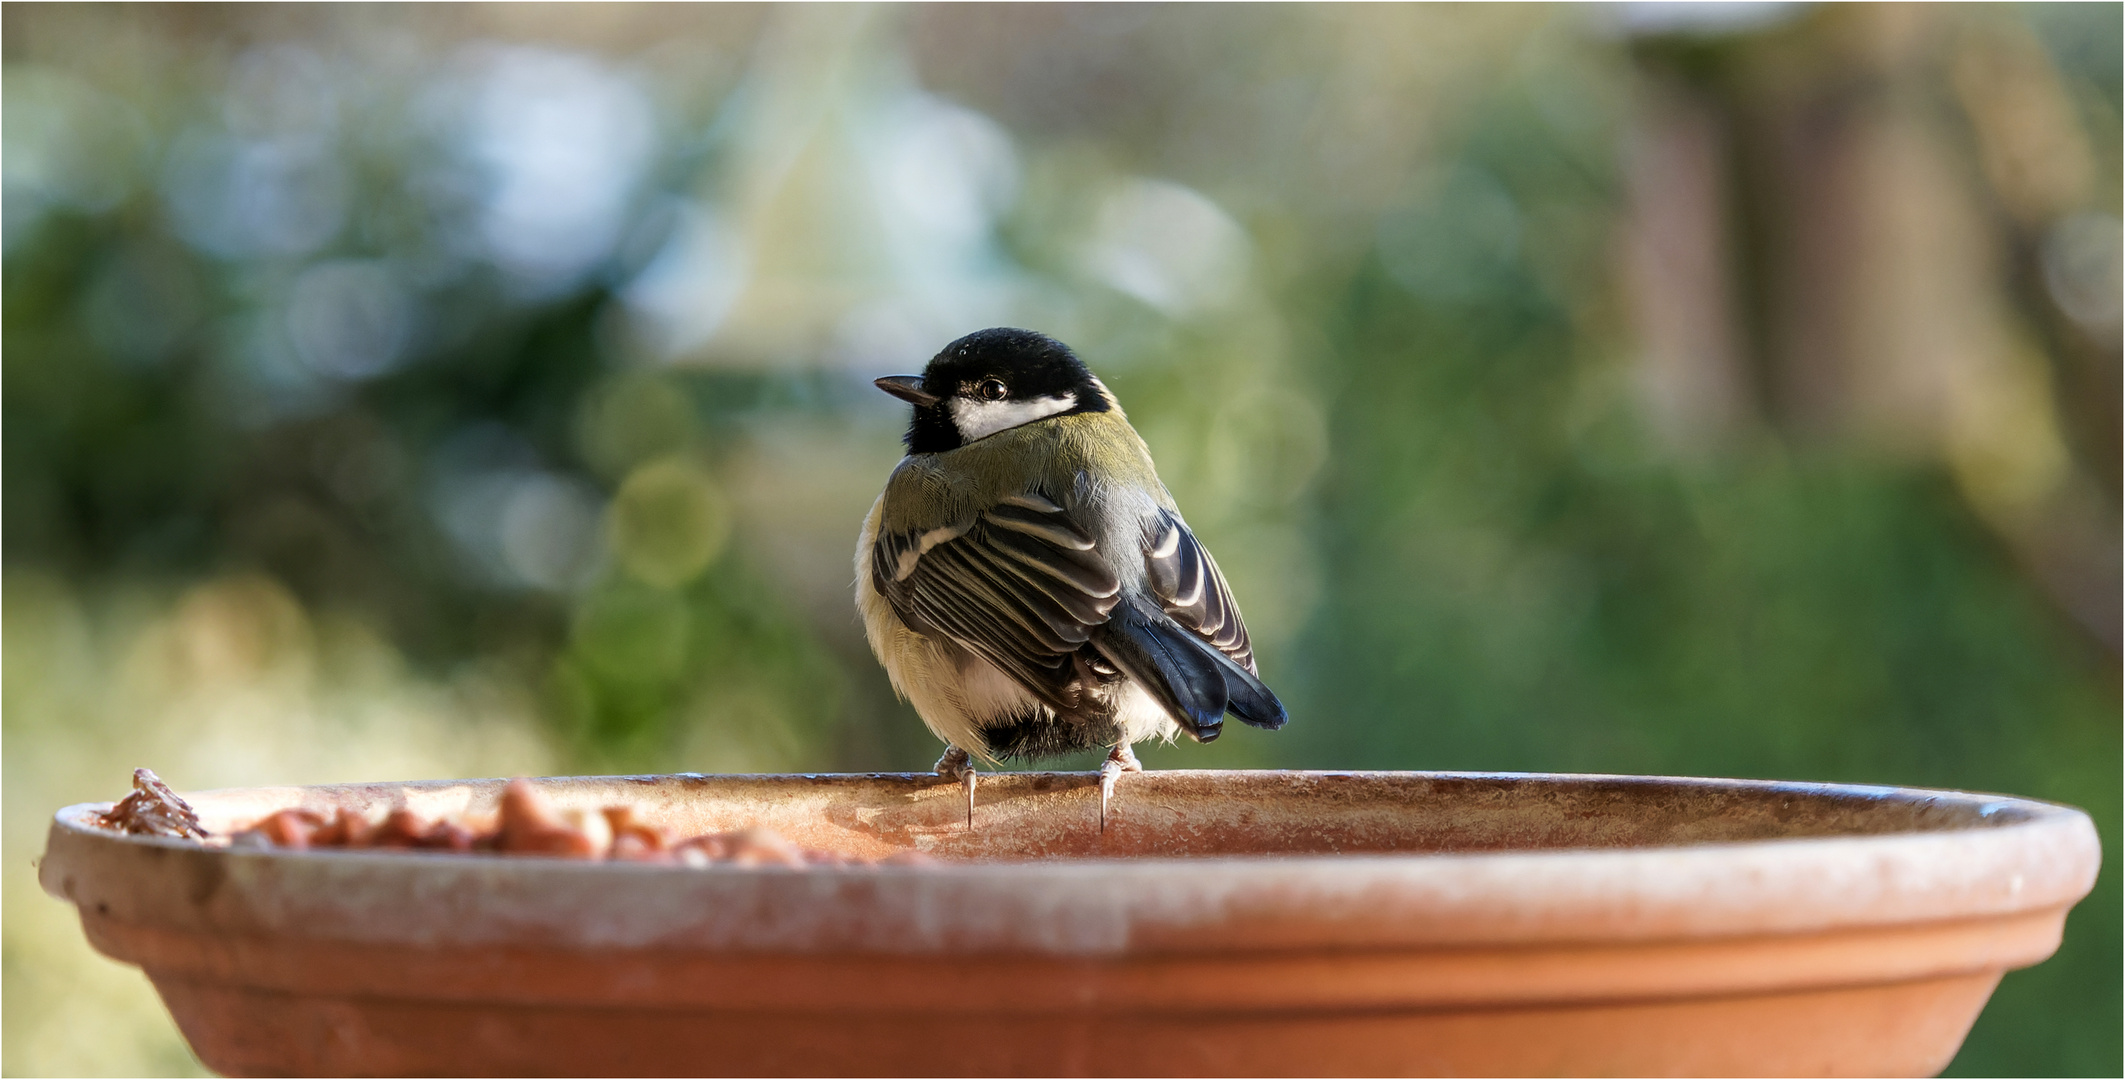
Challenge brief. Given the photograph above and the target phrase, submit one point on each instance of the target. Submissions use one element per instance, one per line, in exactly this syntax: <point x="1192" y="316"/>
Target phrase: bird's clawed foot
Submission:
<point x="1121" y="759"/>
<point x="957" y="764"/>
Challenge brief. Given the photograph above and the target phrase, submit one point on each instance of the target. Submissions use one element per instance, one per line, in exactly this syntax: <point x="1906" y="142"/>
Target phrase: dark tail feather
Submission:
<point x="1248" y="699"/>
<point x="1172" y="664"/>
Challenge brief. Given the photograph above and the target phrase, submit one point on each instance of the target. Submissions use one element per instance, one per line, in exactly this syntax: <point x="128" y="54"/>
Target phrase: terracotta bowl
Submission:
<point x="1242" y="923"/>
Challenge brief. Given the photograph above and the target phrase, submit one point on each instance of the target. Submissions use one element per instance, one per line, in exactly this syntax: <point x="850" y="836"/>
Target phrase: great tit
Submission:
<point x="1028" y="582"/>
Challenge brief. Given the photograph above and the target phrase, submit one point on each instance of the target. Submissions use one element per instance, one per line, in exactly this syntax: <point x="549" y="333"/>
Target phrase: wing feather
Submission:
<point x="1053" y="528"/>
<point x="1191" y="589"/>
<point x="1077" y="574"/>
<point x="1021" y="585"/>
<point x="1024" y="586"/>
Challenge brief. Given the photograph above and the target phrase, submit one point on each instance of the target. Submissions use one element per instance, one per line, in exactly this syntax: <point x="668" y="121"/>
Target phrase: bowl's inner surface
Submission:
<point x="1190" y="813"/>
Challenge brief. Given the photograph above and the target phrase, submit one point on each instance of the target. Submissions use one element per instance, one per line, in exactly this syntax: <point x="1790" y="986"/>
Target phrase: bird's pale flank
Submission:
<point x="1028" y="582"/>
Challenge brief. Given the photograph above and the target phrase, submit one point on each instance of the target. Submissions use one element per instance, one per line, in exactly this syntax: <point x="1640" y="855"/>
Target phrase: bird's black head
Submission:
<point x="991" y="381"/>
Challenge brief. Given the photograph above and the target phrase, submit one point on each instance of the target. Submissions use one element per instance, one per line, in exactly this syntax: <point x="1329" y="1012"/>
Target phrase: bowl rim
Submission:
<point x="2011" y="810"/>
<point x="2045" y="858"/>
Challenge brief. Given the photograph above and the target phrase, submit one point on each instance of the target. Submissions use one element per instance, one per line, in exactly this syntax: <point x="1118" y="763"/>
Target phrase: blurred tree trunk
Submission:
<point x="1889" y="226"/>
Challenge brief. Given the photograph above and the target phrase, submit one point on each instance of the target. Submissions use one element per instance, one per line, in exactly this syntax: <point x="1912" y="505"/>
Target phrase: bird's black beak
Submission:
<point x="907" y="388"/>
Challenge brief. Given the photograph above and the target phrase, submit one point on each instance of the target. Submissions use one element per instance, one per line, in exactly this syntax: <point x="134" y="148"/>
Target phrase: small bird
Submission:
<point x="1028" y="582"/>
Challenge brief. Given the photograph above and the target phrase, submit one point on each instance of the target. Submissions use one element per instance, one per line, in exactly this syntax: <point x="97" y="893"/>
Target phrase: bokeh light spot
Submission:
<point x="668" y="522"/>
<point x="349" y="319"/>
<point x="1168" y="246"/>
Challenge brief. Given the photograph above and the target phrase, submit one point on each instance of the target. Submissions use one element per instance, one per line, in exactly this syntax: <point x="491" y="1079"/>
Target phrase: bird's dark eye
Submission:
<point x="991" y="390"/>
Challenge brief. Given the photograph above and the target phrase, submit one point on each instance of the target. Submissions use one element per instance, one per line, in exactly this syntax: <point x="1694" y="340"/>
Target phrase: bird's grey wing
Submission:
<point x="1019" y="584"/>
<point x="1188" y="585"/>
<point x="1180" y="574"/>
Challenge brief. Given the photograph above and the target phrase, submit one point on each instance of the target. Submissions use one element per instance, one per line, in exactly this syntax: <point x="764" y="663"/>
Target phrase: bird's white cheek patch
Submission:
<point x="979" y="419"/>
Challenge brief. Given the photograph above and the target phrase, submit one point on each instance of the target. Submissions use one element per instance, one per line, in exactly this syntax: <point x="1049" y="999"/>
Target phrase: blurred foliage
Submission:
<point x="484" y="390"/>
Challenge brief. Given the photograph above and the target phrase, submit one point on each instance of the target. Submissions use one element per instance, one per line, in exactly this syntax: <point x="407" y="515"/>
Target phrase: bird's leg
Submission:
<point x="958" y="764"/>
<point x="1121" y="759"/>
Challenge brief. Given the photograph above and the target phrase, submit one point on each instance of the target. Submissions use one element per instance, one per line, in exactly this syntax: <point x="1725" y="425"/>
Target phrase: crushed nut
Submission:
<point x="633" y="840"/>
<point x="530" y="826"/>
<point x="153" y="810"/>
<point x="527" y="824"/>
<point x="347" y="829"/>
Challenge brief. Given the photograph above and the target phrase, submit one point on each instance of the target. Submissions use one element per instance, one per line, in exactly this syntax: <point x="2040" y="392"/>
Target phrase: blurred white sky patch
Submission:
<point x="681" y="298"/>
<point x="890" y="334"/>
<point x="1702" y="18"/>
<point x="941" y="176"/>
<point x="236" y="198"/>
<point x="548" y="530"/>
<point x="349" y="318"/>
<point x="559" y="144"/>
<point x="2084" y="268"/>
<point x="862" y="211"/>
<point x="1169" y="246"/>
<point x="269" y="180"/>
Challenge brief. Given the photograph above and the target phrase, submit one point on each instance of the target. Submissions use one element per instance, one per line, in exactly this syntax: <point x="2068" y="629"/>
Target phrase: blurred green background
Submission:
<point x="398" y="392"/>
